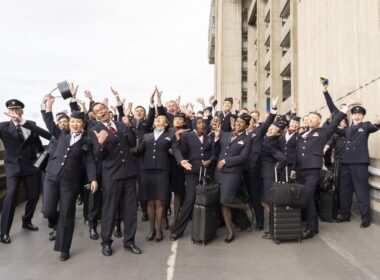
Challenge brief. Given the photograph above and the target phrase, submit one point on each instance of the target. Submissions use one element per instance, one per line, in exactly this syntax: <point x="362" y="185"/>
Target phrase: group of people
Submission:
<point x="124" y="159"/>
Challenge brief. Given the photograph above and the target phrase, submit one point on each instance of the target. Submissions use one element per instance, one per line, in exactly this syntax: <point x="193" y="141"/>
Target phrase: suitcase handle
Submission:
<point x="286" y="174"/>
<point x="204" y="169"/>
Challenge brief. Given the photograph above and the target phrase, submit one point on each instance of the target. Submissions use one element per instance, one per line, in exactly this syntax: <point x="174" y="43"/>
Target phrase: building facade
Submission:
<point x="263" y="48"/>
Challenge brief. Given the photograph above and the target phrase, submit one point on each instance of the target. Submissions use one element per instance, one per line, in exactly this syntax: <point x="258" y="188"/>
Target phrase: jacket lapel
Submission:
<point x="239" y="137"/>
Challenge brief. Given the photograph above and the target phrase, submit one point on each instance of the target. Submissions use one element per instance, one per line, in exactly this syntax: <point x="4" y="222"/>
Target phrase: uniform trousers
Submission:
<point x="117" y="193"/>
<point x="354" y="178"/>
<point x="31" y="185"/>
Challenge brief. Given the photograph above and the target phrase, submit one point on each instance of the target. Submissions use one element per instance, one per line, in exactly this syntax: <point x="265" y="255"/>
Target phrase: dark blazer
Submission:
<point x="309" y="151"/>
<point x="115" y="154"/>
<point x="356" y="144"/>
<point x="271" y="154"/>
<point x="257" y="136"/>
<point x="69" y="162"/>
<point x="337" y="142"/>
<point x="20" y="156"/>
<point x="226" y="123"/>
<point x="289" y="147"/>
<point x="194" y="151"/>
<point x="235" y="153"/>
<point x="155" y="153"/>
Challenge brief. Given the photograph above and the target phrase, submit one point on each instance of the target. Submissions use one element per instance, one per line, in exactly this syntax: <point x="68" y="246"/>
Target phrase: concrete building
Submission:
<point x="291" y="43"/>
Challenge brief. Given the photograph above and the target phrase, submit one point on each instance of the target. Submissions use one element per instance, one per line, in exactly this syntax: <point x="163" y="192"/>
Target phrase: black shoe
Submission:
<point x="259" y="227"/>
<point x="340" y="219"/>
<point x="150" y="236"/>
<point x="64" y="256"/>
<point x="94" y="234"/>
<point x="307" y="234"/>
<point x="174" y="237"/>
<point x="133" y="248"/>
<point x="5" y="239"/>
<point x="107" y="250"/>
<point x="229" y="239"/>
<point x="29" y="226"/>
<point x="144" y="217"/>
<point x="79" y="200"/>
<point x="365" y="224"/>
<point x="52" y="235"/>
<point x="117" y="232"/>
<point x="159" y="237"/>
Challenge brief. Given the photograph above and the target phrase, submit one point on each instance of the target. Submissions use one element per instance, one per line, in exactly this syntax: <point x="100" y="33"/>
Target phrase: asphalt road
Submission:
<point x="339" y="251"/>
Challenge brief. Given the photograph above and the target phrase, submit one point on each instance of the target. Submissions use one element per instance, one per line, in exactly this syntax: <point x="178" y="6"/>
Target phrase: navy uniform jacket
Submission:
<point x="115" y="154"/>
<point x="337" y="142"/>
<point x="194" y="151"/>
<point x="356" y="146"/>
<point x="271" y="154"/>
<point x="289" y="147"/>
<point x="155" y="153"/>
<point x="226" y="122"/>
<point x="68" y="162"/>
<point x="256" y="137"/>
<point x="309" y="151"/>
<point x="20" y="156"/>
<point x="235" y="153"/>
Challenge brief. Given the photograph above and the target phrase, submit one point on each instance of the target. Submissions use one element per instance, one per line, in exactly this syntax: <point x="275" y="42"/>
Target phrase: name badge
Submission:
<point x="253" y="135"/>
<point x="316" y="134"/>
<point x="360" y="130"/>
<point x="168" y="138"/>
<point x="241" y="142"/>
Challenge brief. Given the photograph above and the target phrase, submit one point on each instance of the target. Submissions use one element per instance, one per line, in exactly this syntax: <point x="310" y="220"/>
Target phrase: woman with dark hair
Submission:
<point x="154" y="150"/>
<point x="234" y="150"/>
<point x="73" y="154"/>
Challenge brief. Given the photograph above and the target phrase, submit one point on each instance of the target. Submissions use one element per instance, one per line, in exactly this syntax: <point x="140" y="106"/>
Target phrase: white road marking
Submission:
<point x="171" y="261"/>
<point x="350" y="258"/>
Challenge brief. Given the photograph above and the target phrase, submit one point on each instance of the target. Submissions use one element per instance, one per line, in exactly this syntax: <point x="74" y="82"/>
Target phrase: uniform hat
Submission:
<point x="64" y="89"/>
<point x="219" y="114"/>
<point x="230" y="99"/>
<point x="245" y="117"/>
<point x="77" y="115"/>
<point x="358" y="109"/>
<point x="14" y="103"/>
<point x="180" y="115"/>
<point x="280" y="125"/>
<point x="295" y="118"/>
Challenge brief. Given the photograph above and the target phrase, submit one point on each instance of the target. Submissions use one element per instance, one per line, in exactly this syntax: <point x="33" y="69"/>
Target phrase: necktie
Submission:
<point x="20" y="134"/>
<point x="291" y="131"/>
<point x="200" y="133"/>
<point x="235" y="134"/>
<point x="111" y="129"/>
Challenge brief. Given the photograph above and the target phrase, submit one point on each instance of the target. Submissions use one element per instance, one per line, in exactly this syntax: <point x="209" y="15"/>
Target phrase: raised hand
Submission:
<point x="14" y="116"/>
<point x="275" y="101"/>
<point x="232" y="122"/>
<point x="211" y="99"/>
<point x="128" y="109"/>
<point x="101" y="136"/>
<point x="151" y="98"/>
<point x="202" y="102"/>
<point x="88" y="95"/>
<point x="113" y="109"/>
<point x="185" y="164"/>
<point x="106" y="101"/>
<point x="126" y="121"/>
<point x="178" y="100"/>
<point x="73" y="89"/>
<point x="114" y="92"/>
<point x="179" y="132"/>
<point x="294" y="108"/>
<point x="376" y="121"/>
<point x="221" y="164"/>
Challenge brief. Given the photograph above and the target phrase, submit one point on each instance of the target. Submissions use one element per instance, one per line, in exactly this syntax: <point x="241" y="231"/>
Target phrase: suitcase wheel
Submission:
<point x="278" y="242"/>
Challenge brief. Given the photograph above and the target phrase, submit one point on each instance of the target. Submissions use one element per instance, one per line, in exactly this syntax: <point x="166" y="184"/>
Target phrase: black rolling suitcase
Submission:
<point x="328" y="205"/>
<point x="205" y="210"/>
<point x="285" y="219"/>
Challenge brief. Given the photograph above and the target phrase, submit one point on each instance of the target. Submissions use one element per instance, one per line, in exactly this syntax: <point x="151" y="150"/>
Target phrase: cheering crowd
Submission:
<point x="118" y="158"/>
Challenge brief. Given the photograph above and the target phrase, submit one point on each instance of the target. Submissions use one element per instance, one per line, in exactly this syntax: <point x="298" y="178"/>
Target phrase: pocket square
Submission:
<point x="241" y="142"/>
<point x="168" y="138"/>
<point x="316" y="134"/>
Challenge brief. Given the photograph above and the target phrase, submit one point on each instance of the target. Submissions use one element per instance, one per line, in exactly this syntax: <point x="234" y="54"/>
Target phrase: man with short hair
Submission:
<point x="22" y="143"/>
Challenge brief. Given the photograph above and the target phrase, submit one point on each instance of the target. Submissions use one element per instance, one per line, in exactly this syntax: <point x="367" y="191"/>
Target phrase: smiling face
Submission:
<point x="76" y="125"/>
<point x="216" y="121"/>
<point x="294" y="125"/>
<point x="139" y="113"/>
<point x="63" y="123"/>
<point x="178" y="122"/>
<point x="314" y="120"/>
<point x="227" y="106"/>
<point x="102" y="113"/>
<point x="201" y="125"/>
<point x="161" y="122"/>
<point x="240" y="125"/>
<point x="357" y="118"/>
<point x="273" y="131"/>
<point x="172" y="107"/>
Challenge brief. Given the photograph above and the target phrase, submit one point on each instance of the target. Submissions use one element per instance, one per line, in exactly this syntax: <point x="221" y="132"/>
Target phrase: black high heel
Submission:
<point x="159" y="238"/>
<point x="150" y="236"/>
<point x="229" y="239"/>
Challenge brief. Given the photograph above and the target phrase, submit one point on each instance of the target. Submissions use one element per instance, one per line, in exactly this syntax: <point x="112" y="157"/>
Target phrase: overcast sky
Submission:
<point x="130" y="45"/>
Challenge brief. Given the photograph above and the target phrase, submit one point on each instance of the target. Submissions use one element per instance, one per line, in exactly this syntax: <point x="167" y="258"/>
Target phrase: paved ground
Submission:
<point x="340" y="251"/>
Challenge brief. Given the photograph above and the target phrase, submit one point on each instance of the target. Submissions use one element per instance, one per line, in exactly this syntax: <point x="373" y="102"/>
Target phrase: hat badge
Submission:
<point x="13" y="103"/>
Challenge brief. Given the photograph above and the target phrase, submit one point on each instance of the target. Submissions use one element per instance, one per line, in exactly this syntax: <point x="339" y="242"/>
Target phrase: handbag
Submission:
<point x="288" y="194"/>
<point x="42" y="160"/>
<point x="207" y="191"/>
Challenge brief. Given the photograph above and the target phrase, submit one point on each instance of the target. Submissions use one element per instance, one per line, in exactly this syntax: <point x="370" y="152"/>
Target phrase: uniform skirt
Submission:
<point x="155" y="184"/>
<point x="229" y="186"/>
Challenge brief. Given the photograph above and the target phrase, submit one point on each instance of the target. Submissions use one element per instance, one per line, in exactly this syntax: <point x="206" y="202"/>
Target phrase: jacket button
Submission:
<point x="225" y="154"/>
<point x="122" y="160"/>
<point x="201" y="148"/>
<point x="62" y="163"/>
<point x="303" y="154"/>
<point x="65" y="156"/>
<point x="68" y="149"/>
<point x="154" y="157"/>
<point x="154" y="144"/>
